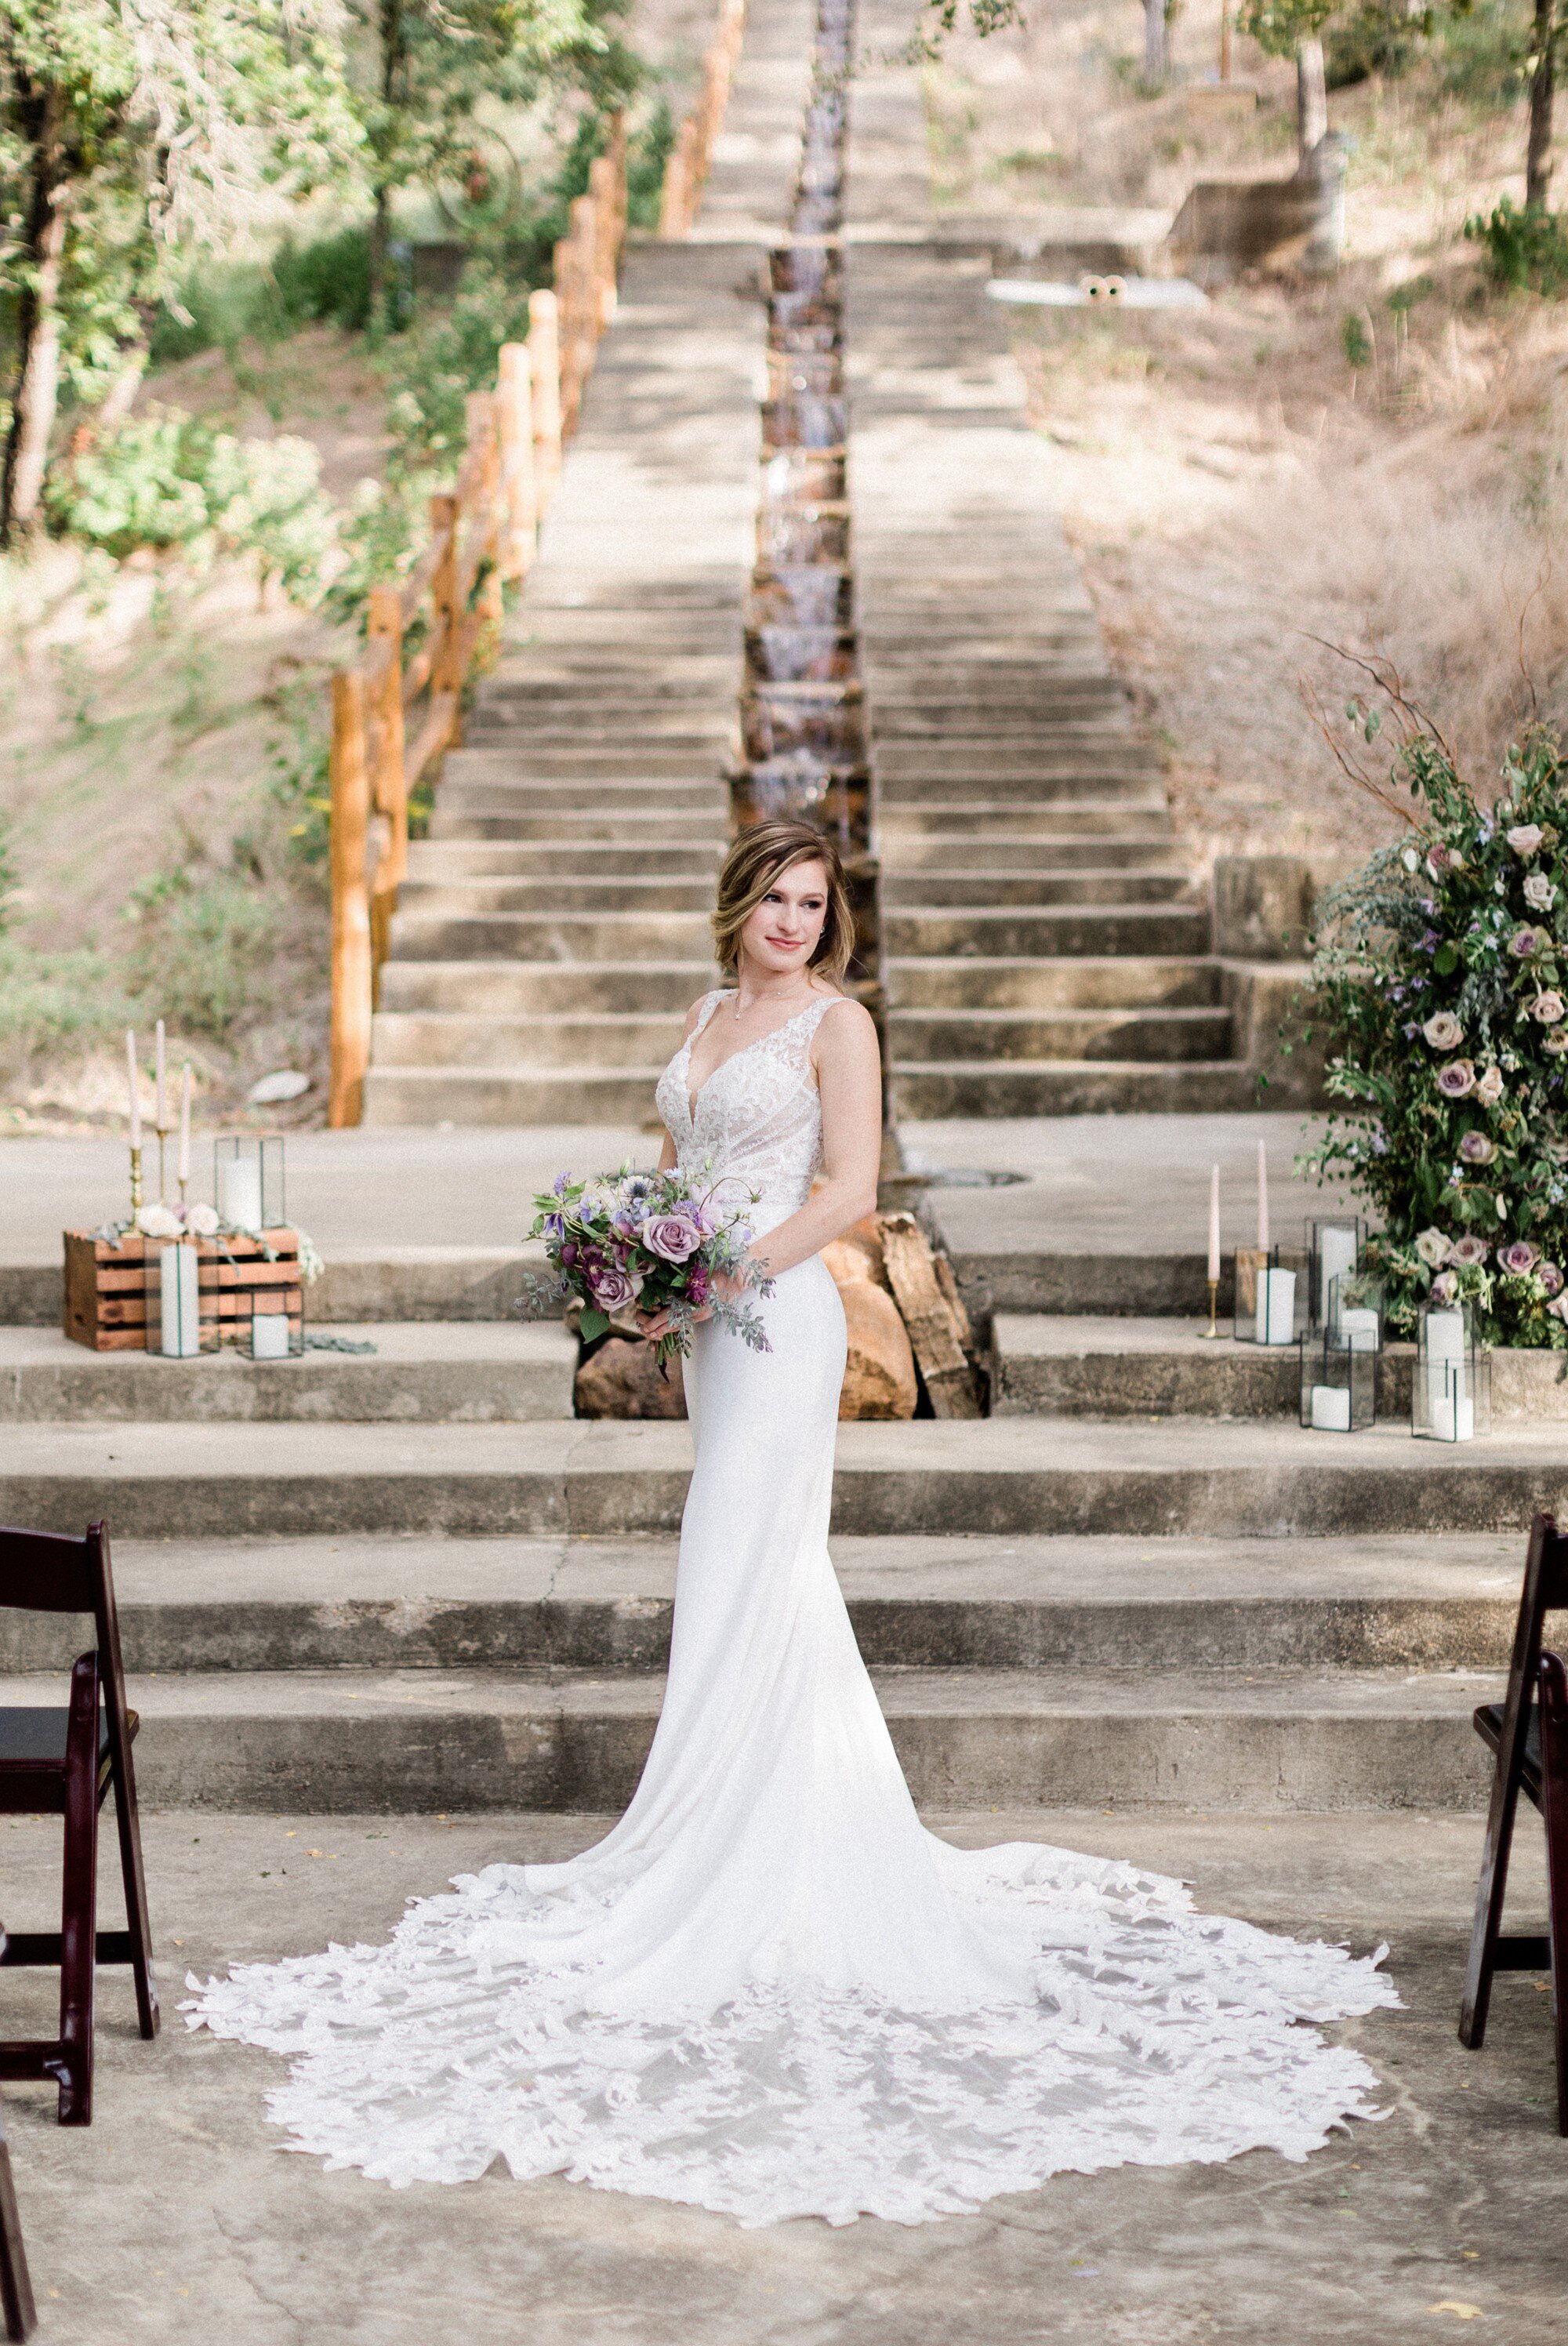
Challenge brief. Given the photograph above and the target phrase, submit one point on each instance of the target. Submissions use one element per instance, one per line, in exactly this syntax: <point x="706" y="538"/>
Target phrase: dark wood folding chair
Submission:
<point x="1555" y="1807"/>
<point x="62" y="1762"/>
<point x="1513" y="1730"/>
<point x="16" y="2285"/>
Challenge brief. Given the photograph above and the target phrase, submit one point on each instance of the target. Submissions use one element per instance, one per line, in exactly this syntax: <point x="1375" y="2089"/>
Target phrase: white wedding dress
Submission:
<point x="769" y="1990"/>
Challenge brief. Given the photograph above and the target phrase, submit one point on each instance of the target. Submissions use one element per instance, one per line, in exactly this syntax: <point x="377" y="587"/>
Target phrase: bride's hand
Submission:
<point x="727" y="1287"/>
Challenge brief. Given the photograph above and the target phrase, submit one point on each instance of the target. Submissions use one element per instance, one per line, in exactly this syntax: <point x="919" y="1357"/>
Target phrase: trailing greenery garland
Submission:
<point x="1439" y="976"/>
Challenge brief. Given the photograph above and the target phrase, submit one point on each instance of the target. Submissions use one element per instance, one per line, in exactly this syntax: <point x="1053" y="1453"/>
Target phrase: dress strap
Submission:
<point x="710" y="1003"/>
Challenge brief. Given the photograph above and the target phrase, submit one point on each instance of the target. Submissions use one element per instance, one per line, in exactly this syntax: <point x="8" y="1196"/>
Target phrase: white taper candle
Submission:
<point x="185" y="1124"/>
<point x="1214" y="1224"/>
<point x="1263" y="1240"/>
<point x="135" y="1088"/>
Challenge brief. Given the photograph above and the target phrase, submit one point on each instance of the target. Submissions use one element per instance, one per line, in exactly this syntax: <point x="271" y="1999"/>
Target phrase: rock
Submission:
<point x="880" y="1374"/>
<point x="287" y="1084"/>
<point x="622" y="1379"/>
<point x="857" y="1254"/>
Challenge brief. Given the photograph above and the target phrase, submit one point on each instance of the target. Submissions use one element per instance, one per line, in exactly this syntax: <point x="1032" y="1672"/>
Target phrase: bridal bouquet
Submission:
<point x="652" y="1241"/>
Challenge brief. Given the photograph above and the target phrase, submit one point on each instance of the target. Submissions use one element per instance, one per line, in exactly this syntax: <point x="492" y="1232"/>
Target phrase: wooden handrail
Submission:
<point x="691" y="157"/>
<point x="395" y="715"/>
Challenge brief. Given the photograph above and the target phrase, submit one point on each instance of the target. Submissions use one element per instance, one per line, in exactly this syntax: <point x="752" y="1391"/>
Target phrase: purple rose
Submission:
<point x="614" y="1290"/>
<point x="1519" y="1258"/>
<point x="1474" y="1148"/>
<point x="1470" y="1250"/>
<point x="672" y="1237"/>
<point x="1457" y="1080"/>
<point x="1525" y="941"/>
<point x="1551" y="1278"/>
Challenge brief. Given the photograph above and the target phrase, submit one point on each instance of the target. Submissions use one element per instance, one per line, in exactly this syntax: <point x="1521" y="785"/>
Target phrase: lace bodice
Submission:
<point x="759" y="1116"/>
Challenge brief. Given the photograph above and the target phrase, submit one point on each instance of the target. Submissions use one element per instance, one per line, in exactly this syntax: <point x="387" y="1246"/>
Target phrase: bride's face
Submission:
<point x="782" y="934"/>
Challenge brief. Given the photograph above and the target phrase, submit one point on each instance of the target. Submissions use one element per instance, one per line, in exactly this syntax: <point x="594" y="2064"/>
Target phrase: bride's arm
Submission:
<point x="850" y="1077"/>
<point x="668" y="1152"/>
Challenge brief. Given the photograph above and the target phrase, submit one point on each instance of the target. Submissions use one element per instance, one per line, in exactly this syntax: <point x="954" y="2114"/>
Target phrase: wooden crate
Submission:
<point x="106" y="1305"/>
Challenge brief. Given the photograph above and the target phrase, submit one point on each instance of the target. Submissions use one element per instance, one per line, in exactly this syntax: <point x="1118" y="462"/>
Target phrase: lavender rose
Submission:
<point x="1556" y="1043"/>
<point x="1445" y="1287"/>
<point x="1474" y="1148"/>
<point x="1524" y="838"/>
<point x="614" y="1290"/>
<point x="1539" y="892"/>
<point x="1547" y="1007"/>
<point x="1551" y="1278"/>
<point x="1457" y="1080"/>
<point x="672" y="1237"/>
<point x="1558" y="1307"/>
<point x="1443" y="1031"/>
<point x="1489" y="1087"/>
<point x="1519" y="1258"/>
<point x="1525" y="941"/>
<point x="1433" y="1248"/>
<point x="1470" y="1250"/>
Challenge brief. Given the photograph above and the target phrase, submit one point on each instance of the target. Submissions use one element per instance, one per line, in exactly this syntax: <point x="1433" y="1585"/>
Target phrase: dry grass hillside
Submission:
<point x="1377" y="463"/>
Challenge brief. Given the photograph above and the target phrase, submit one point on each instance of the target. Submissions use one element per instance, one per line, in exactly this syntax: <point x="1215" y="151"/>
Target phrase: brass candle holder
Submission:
<point x="136" y="1182"/>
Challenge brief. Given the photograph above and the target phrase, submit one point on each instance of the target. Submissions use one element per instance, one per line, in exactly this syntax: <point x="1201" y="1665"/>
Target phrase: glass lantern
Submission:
<point x="1268" y="1305"/>
<point x="270" y="1322"/>
<point x="1334" y="1245"/>
<point x="177" y="1328"/>
<point x="1339" y="1385"/>
<point x="1450" y="1399"/>
<point x="247" y="1181"/>
<point x="1354" y="1317"/>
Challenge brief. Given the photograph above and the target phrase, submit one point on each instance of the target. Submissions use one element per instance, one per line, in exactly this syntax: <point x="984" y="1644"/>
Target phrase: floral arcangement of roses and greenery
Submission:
<point x="1441" y="979"/>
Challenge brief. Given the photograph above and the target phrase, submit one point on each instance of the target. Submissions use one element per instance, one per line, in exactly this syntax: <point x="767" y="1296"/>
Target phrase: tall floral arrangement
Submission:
<point x="1442" y="984"/>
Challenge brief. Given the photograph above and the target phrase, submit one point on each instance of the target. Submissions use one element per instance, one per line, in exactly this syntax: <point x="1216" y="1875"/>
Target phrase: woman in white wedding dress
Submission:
<point x="769" y="1990"/>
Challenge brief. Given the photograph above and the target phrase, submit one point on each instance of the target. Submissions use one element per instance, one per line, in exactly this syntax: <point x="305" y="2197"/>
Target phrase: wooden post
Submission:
<point x="545" y="367"/>
<point x="602" y="188"/>
<point x="390" y="785"/>
<point x="446" y="650"/>
<point x="577" y="357"/>
<point x="352" y="977"/>
<point x="675" y="203"/>
<point x="483" y="439"/>
<point x="515" y="422"/>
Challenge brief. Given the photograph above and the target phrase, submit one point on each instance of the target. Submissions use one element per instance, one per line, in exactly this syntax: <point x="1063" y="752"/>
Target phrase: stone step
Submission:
<point x="516" y="785"/>
<point x="522" y="1093"/>
<point x="1030" y="1474"/>
<point x="1130" y="815"/>
<point x="454" y="858"/>
<point x="1049" y="1365"/>
<point x="542" y="675"/>
<point x="474" y="897"/>
<point x="1415" y="1602"/>
<point x="551" y="937"/>
<point x="978" y="766"/>
<point x="1029" y="885"/>
<point x="1011" y="934"/>
<point x="1138" y="1033"/>
<point x="563" y="989"/>
<point x="978" y="1088"/>
<point x="906" y="853"/>
<point x="1005" y="719"/>
<point x="1079" y="982"/>
<point x="487" y="1038"/>
<point x="420" y="1373"/>
<point x="626" y="829"/>
<point x="571" y="765"/>
<point x="371" y="1742"/>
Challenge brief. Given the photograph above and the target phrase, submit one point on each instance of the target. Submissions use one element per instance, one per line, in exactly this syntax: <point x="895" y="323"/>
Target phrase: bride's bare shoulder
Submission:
<point x="850" y="1028"/>
<point x="694" y="1014"/>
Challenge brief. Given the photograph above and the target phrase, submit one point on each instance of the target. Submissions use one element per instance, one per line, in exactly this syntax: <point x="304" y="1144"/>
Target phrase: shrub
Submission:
<point x="326" y="283"/>
<point x="200" y="943"/>
<point x="1527" y="247"/>
<point x="1441" y="972"/>
<point x="1369" y="40"/>
<point x="52" y="1002"/>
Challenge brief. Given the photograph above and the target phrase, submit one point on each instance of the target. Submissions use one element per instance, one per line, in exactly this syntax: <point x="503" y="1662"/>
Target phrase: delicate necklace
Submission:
<point x="739" y="1006"/>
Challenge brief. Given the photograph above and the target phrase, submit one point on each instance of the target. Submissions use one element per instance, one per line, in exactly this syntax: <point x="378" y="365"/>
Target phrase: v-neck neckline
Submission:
<point x="693" y="1098"/>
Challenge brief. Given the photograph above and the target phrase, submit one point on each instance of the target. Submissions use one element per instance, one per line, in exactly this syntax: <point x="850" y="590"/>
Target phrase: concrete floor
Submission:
<point x="173" y="2219"/>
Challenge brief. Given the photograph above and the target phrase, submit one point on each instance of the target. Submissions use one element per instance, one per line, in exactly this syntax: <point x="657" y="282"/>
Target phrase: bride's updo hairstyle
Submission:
<point x="754" y="865"/>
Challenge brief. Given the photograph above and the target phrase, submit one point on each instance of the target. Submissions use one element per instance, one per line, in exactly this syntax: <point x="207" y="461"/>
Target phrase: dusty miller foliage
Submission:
<point x="1439" y="974"/>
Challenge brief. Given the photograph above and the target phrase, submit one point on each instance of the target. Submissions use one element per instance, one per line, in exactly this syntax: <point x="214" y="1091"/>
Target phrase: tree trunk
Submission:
<point x="1543" y="90"/>
<point x="38" y="375"/>
<point x="1311" y="97"/>
<point x="1154" y="40"/>
<point x="392" y="33"/>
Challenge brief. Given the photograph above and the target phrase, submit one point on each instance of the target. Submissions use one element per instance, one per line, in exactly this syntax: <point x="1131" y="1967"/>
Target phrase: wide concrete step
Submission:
<point x="629" y="829"/>
<point x="446" y="1039"/>
<point x="1015" y="1087"/>
<point x="420" y="1374"/>
<point x="907" y="854"/>
<point x="1035" y="884"/>
<point x="1160" y="1034"/>
<point x="1131" y="815"/>
<point x="571" y="764"/>
<point x="545" y="989"/>
<point x="1050" y="1365"/>
<point x="994" y="770"/>
<point x="916" y="1603"/>
<point x="551" y="937"/>
<point x="445" y="859"/>
<point x="609" y="1479"/>
<point x="1074" y="982"/>
<point x="512" y="785"/>
<point x="412" y="1742"/>
<point x="523" y="1093"/>
<point x="1019" y="933"/>
<point x="421" y="898"/>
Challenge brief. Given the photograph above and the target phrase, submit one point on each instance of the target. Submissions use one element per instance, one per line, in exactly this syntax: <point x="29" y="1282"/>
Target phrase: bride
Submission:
<point x="769" y="1990"/>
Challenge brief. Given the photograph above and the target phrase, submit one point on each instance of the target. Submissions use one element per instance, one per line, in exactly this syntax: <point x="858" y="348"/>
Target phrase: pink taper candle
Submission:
<point x="1262" y="1198"/>
<point x="135" y="1089"/>
<point x="1214" y="1224"/>
<point x="184" y="1173"/>
<point x="159" y="1115"/>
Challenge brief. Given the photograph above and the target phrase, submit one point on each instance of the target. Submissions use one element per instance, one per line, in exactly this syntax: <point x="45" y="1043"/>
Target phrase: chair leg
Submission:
<point x="129" y="1826"/>
<point x="1554" y="1805"/>
<point x="79" y="1899"/>
<point x="15" y="2284"/>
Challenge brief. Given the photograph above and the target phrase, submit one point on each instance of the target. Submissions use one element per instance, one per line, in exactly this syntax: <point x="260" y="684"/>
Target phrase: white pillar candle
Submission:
<point x="1331" y="1409"/>
<point x="1358" y="1331"/>
<point x="1336" y="1255"/>
<point x="269" y="1336"/>
<point x="179" y="1302"/>
<point x="160" y="1117"/>
<point x="1213" y="1226"/>
<point x="184" y="1126"/>
<point x="1453" y="1416"/>
<point x="1276" y="1318"/>
<point x="135" y="1089"/>
<point x="240" y="1192"/>
<point x="1445" y="1337"/>
<point x="1262" y="1198"/>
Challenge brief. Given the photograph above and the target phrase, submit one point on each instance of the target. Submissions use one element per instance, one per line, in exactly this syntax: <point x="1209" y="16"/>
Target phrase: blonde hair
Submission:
<point x="760" y="854"/>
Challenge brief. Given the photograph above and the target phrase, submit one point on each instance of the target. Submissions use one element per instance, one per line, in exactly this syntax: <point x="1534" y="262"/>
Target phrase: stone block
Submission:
<point x="621" y="1379"/>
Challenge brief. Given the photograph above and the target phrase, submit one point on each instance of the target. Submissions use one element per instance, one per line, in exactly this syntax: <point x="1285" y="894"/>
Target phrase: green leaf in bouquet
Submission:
<point x="592" y="1324"/>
